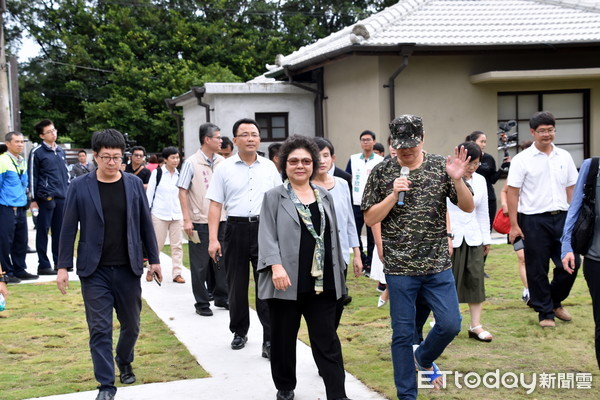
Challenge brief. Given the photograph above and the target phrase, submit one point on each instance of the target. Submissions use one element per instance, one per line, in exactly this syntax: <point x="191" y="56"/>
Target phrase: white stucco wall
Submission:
<point x="230" y="102"/>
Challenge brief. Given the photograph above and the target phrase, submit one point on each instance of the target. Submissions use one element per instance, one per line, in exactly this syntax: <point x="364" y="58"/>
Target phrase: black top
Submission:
<point x="114" y="247"/>
<point x="306" y="282"/>
<point x="144" y="173"/>
<point x="489" y="172"/>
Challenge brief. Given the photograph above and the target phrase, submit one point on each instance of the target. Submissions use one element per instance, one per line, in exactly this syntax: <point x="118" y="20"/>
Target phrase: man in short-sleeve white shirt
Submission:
<point x="239" y="184"/>
<point x="359" y="167"/>
<point x="540" y="186"/>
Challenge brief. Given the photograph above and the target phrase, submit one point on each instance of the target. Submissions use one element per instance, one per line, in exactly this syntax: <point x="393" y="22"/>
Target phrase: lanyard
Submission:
<point x="19" y="170"/>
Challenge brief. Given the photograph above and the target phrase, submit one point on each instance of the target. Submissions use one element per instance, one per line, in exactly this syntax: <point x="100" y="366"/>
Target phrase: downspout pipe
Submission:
<point x="319" y="97"/>
<point x="171" y="106"/>
<point x="199" y="93"/>
<point x="406" y="52"/>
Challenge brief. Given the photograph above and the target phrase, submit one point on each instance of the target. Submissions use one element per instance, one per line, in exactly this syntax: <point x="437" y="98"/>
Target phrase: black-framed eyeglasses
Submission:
<point x="108" y="159"/>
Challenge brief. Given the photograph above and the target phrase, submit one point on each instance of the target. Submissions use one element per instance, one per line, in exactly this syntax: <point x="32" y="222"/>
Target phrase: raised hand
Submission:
<point x="455" y="167"/>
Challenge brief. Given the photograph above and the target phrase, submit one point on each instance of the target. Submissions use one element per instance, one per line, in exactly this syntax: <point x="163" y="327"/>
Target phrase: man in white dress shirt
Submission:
<point x="239" y="184"/>
<point x="541" y="180"/>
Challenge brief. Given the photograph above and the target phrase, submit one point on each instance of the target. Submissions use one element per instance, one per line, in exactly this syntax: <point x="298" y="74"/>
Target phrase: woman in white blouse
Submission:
<point x="339" y="190"/>
<point x="163" y="198"/>
<point x="471" y="242"/>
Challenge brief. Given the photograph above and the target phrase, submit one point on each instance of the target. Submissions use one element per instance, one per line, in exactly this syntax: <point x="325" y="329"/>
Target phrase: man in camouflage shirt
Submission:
<point x="415" y="245"/>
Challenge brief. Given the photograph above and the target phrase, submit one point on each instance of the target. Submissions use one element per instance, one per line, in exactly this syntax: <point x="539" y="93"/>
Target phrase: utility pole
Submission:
<point x="15" y="98"/>
<point x="5" y="122"/>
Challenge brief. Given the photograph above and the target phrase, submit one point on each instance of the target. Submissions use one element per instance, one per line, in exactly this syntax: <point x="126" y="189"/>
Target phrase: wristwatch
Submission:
<point x="450" y="235"/>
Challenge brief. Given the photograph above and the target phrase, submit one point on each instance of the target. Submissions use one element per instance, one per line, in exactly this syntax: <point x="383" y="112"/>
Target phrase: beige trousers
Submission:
<point x="175" y="228"/>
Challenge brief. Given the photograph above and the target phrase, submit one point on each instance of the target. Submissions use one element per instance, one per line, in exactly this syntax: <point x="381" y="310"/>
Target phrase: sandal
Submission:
<point x="483" y="336"/>
<point x="431" y="375"/>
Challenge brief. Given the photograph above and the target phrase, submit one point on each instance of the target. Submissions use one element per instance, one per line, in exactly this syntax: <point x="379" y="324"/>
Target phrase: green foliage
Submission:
<point x="110" y="63"/>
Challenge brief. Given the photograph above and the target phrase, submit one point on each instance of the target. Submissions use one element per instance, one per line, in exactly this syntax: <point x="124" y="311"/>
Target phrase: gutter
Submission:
<point x="406" y="52"/>
<point x="199" y="93"/>
<point x="171" y="106"/>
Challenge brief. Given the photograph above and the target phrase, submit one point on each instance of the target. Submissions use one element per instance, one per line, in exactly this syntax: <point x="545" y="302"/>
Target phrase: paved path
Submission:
<point x="241" y="374"/>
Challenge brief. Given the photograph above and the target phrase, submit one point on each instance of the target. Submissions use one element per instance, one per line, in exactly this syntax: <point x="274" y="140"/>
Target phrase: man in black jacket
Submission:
<point x="48" y="181"/>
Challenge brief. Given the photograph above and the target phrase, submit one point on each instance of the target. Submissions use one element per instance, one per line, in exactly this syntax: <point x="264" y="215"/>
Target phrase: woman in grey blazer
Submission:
<point x="301" y="270"/>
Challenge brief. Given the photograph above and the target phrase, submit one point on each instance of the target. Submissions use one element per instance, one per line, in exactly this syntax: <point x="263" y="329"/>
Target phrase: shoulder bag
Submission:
<point x="583" y="230"/>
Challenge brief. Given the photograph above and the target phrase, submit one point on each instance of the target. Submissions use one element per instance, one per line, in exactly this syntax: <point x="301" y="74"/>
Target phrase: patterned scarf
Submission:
<point x="305" y="215"/>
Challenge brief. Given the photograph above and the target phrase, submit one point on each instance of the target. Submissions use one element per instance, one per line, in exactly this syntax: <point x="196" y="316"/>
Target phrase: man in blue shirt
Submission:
<point x="13" y="214"/>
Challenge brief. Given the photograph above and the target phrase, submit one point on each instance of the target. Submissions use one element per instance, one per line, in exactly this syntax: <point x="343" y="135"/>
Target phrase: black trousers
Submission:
<point x="492" y="208"/>
<point x="319" y="311"/>
<point x="542" y="244"/>
<point x="13" y="240"/>
<point x="241" y="249"/>
<point x="49" y="218"/>
<point x="107" y="288"/>
<point x="201" y="264"/>
<point x="359" y="219"/>
<point x="591" y="271"/>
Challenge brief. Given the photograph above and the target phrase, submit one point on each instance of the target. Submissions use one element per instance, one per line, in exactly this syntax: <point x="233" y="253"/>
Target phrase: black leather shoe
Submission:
<point x="224" y="305"/>
<point x="46" y="271"/>
<point x="12" y="279"/>
<point x="126" y="374"/>
<point x="238" y="341"/>
<point x="26" y="276"/>
<point x="30" y="250"/>
<point x="346" y="300"/>
<point x="205" y="312"/>
<point x="105" y="395"/>
<point x="266" y="352"/>
<point x="285" y="395"/>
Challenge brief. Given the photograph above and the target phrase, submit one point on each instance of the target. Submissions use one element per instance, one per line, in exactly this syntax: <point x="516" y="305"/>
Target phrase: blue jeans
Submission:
<point x="439" y="292"/>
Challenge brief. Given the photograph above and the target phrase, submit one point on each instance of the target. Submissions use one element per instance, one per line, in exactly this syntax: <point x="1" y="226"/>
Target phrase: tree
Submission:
<point x="111" y="63"/>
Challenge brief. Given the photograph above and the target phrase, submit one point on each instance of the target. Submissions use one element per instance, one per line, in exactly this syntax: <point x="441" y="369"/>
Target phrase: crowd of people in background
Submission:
<point x="297" y="220"/>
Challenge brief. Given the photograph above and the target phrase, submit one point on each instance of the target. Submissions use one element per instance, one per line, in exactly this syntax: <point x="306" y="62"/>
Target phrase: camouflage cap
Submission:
<point x="406" y="131"/>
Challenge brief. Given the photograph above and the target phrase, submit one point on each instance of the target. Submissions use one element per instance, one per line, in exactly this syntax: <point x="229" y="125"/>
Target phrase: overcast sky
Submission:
<point x="29" y="49"/>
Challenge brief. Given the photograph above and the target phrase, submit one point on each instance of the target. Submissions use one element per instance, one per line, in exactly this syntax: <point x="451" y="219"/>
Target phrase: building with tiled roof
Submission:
<point x="462" y="65"/>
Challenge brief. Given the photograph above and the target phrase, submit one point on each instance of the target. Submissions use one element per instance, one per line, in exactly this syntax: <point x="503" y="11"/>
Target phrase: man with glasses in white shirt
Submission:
<point x="239" y="184"/>
<point x="541" y="180"/>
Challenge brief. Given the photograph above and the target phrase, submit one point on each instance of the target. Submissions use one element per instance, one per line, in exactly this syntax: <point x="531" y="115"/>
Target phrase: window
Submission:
<point x="571" y="109"/>
<point x="273" y="126"/>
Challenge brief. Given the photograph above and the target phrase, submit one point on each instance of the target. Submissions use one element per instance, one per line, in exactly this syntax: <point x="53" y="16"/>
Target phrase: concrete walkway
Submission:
<point x="241" y="374"/>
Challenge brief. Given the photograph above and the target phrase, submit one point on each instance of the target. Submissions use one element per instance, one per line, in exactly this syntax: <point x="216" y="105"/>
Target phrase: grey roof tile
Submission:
<point x="465" y="23"/>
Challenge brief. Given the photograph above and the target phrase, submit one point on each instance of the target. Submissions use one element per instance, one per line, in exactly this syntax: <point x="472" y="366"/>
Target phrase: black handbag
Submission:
<point x="583" y="230"/>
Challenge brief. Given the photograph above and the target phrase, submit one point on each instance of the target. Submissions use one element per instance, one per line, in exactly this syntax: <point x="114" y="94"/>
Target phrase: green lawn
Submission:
<point x="44" y="351"/>
<point x="519" y="344"/>
<point x="44" y="345"/>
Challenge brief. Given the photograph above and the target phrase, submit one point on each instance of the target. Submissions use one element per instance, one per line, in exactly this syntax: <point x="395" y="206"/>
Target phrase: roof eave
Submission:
<point x="398" y="49"/>
<point x="322" y="59"/>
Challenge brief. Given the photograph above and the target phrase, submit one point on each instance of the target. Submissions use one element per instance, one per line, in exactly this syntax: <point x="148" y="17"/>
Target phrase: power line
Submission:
<point x="77" y="66"/>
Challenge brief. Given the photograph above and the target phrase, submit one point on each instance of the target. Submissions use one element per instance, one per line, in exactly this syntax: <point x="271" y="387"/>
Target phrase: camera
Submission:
<point x="506" y="140"/>
<point x="129" y="143"/>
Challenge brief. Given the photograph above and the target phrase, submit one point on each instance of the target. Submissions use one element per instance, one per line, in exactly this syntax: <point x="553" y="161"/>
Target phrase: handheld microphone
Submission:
<point x="403" y="173"/>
